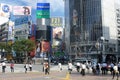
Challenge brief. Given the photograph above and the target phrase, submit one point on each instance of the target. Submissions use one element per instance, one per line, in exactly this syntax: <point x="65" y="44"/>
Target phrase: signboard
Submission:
<point x="43" y="6"/>
<point x="43" y="10"/>
<point x="21" y="10"/>
<point x="43" y="14"/>
<point x="56" y="22"/>
<point x="5" y="10"/>
<point x="21" y="20"/>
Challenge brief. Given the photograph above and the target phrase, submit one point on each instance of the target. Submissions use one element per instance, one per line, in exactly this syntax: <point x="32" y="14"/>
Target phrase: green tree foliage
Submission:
<point x="24" y="46"/>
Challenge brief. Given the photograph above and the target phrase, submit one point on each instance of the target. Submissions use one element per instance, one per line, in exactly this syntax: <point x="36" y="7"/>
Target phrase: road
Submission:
<point x="55" y="74"/>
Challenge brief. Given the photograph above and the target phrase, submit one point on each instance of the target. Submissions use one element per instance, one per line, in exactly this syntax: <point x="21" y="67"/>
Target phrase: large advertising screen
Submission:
<point x="57" y="35"/>
<point x="21" y="10"/>
<point x="45" y="46"/>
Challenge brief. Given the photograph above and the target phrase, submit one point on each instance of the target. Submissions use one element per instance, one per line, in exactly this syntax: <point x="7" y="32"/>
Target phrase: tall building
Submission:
<point x="92" y="27"/>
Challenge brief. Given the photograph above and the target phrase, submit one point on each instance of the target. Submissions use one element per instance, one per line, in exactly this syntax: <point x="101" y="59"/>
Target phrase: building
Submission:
<point x="92" y="27"/>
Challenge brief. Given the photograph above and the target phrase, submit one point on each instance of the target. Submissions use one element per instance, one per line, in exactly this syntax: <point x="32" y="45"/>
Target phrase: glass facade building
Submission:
<point x="88" y="22"/>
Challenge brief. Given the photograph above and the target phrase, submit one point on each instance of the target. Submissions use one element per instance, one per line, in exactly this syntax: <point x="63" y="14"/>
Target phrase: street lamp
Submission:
<point x="101" y="48"/>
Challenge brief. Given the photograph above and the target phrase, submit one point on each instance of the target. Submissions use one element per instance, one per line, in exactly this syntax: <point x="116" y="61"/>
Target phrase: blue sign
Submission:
<point x="43" y="6"/>
<point x="20" y="21"/>
<point x="5" y="8"/>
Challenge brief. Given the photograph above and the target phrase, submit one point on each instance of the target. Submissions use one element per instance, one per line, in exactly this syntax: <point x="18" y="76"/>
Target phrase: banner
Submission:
<point x="21" y="10"/>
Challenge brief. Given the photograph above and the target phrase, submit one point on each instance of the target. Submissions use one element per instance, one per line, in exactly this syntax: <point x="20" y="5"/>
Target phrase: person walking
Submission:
<point x="78" y="66"/>
<point x="70" y="67"/>
<point x="115" y="71"/>
<point x="46" y="67"/>
<point x="26" y="67"/>
<point x="30" y="67"/>
<point x="60" y="66"/>
<point x="3" y="67"/>
<point x="12" y="66"/>
<point x="119" y="67"/>
<point x="83" y="67"/>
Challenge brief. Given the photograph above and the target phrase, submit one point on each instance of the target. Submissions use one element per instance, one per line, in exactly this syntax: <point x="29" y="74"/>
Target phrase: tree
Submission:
<point x="24" y="46"/>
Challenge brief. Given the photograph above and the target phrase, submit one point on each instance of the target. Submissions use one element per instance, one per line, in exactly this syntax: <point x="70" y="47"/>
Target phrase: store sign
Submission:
<point x="118" y="21"/>
<point x="5" y="10"/>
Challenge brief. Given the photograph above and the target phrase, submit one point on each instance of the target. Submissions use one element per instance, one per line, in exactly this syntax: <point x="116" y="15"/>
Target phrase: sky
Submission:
<point x="56" y="6"/>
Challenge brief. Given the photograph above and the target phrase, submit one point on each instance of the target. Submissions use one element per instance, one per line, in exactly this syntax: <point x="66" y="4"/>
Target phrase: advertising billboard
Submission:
<point x="45" y="46"/>
<point x="21" y="20"/>
<point x="56" y="21"/>
<point x="21" y="10"/>
<point x="57" y="35"/>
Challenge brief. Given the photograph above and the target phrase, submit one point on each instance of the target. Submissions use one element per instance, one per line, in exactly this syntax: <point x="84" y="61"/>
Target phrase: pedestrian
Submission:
<point x="46" y="67"/>
<point x="115" y="71"/>
<point x="111" y="68"/>
<point x="60" y="66"/>
<point x="98" y="68"/>
<point x="30" y="67"/>
<point x="12" y="66"/>
<point x="26" y="67"/>
<point x="3" y="66"/>
<point x="119" y="67"/>
<point x="83" y="67"/>
<point x="78" y="66"/>
<point x="70" y="67"/>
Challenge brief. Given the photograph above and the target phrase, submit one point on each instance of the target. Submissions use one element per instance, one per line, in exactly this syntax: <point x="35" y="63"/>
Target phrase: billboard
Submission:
<point x="43" y="6"/>
<point x="43" y="10"/>
<point x="57" y="35"/>
<point x="21" y="10"/>
<point x="5" y="10"/>
<point x="45" y="46"/>
<point x="21" y="20"/>
<point x="56" y="21"/>
<point x="43" y="14"/>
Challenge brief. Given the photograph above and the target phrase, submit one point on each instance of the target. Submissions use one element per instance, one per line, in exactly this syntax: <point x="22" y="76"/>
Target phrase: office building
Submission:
<point x="92" y="27"/>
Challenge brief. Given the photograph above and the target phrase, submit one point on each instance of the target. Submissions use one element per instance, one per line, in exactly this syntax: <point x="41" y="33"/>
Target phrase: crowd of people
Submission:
<point x="97" y="69"/>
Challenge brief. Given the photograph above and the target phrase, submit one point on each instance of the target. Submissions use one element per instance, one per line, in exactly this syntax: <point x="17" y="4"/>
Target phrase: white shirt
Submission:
<point x="115" y="68"/>
<point x="83" y="66"/>
<point x="3" y="64"/>
<point x="70" y="65"/>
